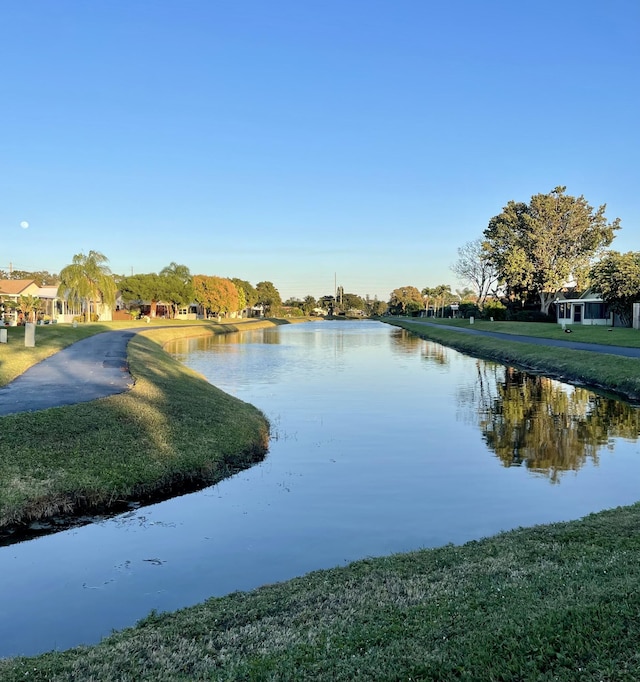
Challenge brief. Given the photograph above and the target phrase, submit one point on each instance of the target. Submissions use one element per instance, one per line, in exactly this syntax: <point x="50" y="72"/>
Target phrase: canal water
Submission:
<point x="381" y="442"/>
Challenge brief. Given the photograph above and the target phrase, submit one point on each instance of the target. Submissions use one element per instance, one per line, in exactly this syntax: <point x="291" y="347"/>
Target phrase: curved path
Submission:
<point x="96" y="367"/>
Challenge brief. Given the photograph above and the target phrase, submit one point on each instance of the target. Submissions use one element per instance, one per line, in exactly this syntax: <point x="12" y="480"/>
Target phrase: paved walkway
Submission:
<point x="96" y="367"/>
<point x="92" y="368"/>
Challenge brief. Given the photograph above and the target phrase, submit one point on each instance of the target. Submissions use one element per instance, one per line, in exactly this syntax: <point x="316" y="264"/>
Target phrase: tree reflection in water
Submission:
<point x="541" y="423"/>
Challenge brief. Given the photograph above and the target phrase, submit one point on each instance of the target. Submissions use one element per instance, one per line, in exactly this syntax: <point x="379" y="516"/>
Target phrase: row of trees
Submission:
<point x="436" y="300"/>
<point x="553" y="244"/>
<point x="88" y="282"/>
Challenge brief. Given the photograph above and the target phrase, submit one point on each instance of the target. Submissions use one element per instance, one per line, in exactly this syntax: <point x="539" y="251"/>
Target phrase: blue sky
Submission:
<point x="306" y="141"/>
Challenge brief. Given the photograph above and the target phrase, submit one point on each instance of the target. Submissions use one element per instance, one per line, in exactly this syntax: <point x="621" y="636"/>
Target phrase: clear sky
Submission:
<point x="307" y="141"/>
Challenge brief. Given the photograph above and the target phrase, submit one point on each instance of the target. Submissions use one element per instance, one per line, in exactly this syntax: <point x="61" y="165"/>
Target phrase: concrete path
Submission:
<point x="96" y="367"/>
<point x="92" y="368"/>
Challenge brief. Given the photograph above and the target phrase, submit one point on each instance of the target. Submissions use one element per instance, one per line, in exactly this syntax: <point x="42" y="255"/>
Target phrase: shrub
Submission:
<point x="531" y="316"/>
<point x="495" y="309"/>
<point x="468" y="310"/>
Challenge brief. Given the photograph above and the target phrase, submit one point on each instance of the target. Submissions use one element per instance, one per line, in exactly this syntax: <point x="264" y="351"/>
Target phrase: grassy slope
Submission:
<point x="557" y="602"/>
<point x="173" y="429"/>
<point x="612" y="373"/>
<point x="617" y="336"/>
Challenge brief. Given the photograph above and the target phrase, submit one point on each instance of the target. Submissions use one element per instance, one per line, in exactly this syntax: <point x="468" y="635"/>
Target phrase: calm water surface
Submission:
<point x="381" y="443"/>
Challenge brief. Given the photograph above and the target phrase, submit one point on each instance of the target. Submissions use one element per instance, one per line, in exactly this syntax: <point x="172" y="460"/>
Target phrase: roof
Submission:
<point x="13" y="287"/>
<point x="48" y="292"/>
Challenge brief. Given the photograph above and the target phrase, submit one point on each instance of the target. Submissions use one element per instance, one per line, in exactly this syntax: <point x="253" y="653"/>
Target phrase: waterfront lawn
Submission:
<point x="173" y="430"/>
<point x="558" y="602"/>
<point x="610" y="373"/>
<point x="609" y="336"/>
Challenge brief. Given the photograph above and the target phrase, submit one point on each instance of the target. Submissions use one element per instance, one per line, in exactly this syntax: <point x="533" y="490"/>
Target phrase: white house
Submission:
<point x="587" y="309"/>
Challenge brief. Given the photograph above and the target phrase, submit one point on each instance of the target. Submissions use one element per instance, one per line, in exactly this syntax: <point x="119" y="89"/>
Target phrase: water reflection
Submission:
<point x="543" y="424"/>
<point x="406" y="343"/>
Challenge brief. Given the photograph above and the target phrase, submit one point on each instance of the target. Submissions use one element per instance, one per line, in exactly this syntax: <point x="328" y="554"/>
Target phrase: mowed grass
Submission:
<point x="610" y="373"/>
<point x="558" y="602"/>
<point x="609" y="336"/>
<point x="172" y="431"/>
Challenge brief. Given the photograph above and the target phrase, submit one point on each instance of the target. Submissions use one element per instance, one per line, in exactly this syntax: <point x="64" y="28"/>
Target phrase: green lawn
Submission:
<point x="612" y="336"/>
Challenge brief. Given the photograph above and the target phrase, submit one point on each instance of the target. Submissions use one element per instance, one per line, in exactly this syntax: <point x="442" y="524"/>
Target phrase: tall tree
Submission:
<point x="88" y="280"/>
<point x="268" y="296"/>
<point x="247" y="290"/>
<point x="143" y="288"/>
<point x="616" y="277"/>
<point x="178" y="285"/>
<point x="405" y="301"/>
<point x="218" y="295"/>
<point x="309" y="304"/>
<point x="538" y="247"/>
<point x="475" y="268"/>
<point x="174" y="269"/>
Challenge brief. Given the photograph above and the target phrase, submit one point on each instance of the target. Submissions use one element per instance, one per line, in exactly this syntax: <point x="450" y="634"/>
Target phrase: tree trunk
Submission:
<point x="546" y="299"/>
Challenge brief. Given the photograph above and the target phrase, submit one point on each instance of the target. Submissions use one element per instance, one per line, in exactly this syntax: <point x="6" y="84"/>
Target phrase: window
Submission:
<point x="594" y="311"/>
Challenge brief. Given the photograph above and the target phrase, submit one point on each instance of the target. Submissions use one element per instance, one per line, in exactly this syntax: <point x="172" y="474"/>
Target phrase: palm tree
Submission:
<point x="30" y="306"/>
<point x="180" y="271"/>
<point x="88" y="279"/>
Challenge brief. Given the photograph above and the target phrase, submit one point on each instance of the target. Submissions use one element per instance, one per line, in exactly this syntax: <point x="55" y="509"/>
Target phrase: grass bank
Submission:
<point x="558" y="602"/>
<point x="172" y="431"/>
<point x="610" y="373"/>
<point x="608" y="336"/>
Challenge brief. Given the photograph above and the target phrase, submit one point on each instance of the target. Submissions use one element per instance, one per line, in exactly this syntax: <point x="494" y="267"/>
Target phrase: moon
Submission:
<point x="24" y="224"/>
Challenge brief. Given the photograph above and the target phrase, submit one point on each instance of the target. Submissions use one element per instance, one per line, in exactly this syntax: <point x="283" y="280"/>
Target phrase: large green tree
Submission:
<point x="309" y="304"/>
<point x="537" y="248"/>
<point x="247" y="294"/>
<point x="616" y="277"/>
<point x="405" y="301"/>
<point x="268" y="296"/>
<point x="144" y="288"/>
<point x="178" y="286"/>
<point x="86" y="280"/>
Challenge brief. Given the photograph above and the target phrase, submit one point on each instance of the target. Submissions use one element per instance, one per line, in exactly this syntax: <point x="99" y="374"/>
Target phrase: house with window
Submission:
<point x="586" y="309"/>
<point x="12" y="289"/>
